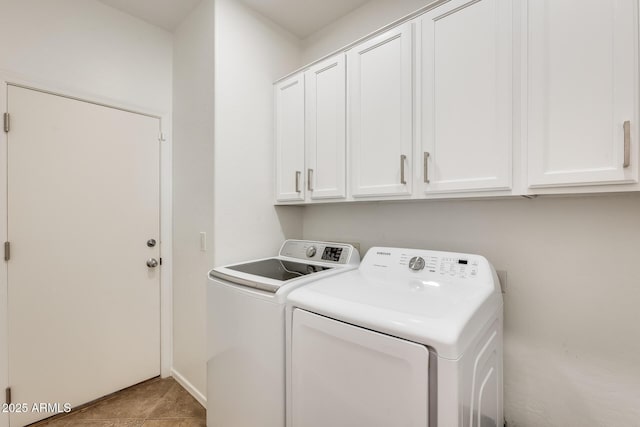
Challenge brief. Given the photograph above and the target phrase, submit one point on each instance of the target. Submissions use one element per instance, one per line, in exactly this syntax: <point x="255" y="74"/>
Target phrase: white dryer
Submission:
<point x="246" y="329"/>
<point x="411" y="338"/>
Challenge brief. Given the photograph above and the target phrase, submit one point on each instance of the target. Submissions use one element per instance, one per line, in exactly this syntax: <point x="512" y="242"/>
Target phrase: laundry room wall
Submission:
<point x="86" y="47"/>
<point x="571" y="263"/>
<point x="193" y="178"/>
<point x="251" y="53"/>
<point x="223" y="169"/>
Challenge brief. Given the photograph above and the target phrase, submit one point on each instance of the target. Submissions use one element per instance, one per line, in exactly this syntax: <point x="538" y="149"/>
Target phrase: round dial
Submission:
<point x="311" y="251"/>
<point x="416" y="263"/>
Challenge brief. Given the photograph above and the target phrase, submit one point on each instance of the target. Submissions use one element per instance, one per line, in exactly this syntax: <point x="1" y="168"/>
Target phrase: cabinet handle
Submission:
<point x="403" y="159"/>
<point x="627" y="144"/>
<point x="298" y="173"/>
<point x="309" y="176"/>
<point x="426" y="167"/>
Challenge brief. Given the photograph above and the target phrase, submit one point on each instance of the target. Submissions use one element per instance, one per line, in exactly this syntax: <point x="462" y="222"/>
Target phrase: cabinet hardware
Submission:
<point x="298" y="173"/>
<point x="426" y="167"/>
<point x="403" y="159"/>
<point x="627" y="144"/>
<point x="309" y="176"/>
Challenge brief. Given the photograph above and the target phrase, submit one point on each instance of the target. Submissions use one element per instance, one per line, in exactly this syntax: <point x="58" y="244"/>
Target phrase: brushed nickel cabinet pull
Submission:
<point x="403" y="159"/>
<point x="627" y="144"/>
<point x="298" y="173"/>
<point x="309" y="176"/>
<point x="426" y="167"/>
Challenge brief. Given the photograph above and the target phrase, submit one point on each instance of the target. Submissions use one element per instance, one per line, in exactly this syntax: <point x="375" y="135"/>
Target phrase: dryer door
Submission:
<point x="345" y="376"/>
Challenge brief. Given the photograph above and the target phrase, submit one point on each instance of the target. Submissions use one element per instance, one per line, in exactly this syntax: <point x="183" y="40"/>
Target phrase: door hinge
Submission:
<point x="7" y="122"/>
<point x="7" y="251"/>
<point x="8" y="396"/>
<point x="161" y="137"/>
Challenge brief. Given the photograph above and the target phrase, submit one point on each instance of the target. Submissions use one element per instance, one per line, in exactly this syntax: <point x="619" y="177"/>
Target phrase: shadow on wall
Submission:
<point x="290" y="219"/>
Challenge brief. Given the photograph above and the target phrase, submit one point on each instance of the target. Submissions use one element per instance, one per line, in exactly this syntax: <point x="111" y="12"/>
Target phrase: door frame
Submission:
<point x="166" y="284"/>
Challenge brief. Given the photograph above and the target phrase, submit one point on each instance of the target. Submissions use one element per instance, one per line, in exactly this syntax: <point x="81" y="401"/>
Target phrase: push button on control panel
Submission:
<point x="416" y="263"/>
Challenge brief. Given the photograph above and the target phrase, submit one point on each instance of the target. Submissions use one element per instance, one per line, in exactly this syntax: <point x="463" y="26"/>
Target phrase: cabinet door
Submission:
<point x="380" y="113"/>
<point x="325" y="128"/>
<point x="466" y="96"/>
<point x="582" y="87"/>
<point x="289" y="96"/>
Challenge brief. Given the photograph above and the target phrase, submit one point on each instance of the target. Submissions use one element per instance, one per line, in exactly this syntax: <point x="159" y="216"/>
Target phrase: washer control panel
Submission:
<point x="325" y="252"/>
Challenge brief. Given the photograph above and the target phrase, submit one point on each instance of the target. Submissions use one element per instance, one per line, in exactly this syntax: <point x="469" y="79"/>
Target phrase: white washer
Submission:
<point x="246" y="329"/>
<point x="411" y="338"/>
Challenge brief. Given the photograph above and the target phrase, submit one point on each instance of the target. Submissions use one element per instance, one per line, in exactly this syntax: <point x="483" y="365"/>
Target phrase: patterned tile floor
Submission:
<point x="154" y="403"/>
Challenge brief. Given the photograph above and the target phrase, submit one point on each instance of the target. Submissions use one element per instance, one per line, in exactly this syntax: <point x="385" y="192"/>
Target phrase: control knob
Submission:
<point x="311" y="251"/>
<point x="416" y="263"/>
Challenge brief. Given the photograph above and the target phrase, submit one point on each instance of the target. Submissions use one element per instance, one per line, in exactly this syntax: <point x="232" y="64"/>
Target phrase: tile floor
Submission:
<point x="154" y="403"/>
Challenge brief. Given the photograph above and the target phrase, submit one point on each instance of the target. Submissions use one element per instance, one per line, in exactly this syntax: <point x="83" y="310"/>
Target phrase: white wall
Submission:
<point x="223" y="174"/>
<point x="193" y="177"/>
<point x="251" y="53"/>
<point x="86" y="49"/>
<point x="571" y="325"/>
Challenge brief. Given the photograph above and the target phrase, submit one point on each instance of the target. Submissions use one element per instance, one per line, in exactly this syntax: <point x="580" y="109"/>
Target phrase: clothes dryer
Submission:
<point x="410" y="338"/>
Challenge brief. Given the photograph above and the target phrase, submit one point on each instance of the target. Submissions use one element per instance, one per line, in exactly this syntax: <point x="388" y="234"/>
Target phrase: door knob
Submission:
<point x="152" y="263"/>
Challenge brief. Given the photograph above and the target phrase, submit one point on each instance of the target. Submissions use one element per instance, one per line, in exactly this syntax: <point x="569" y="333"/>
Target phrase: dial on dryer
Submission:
<point x="416" y="263"/>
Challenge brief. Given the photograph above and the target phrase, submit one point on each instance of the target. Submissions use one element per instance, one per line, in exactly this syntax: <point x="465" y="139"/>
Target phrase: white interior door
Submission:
<point x="83" y="200"/>
<point x="345" y="376"/>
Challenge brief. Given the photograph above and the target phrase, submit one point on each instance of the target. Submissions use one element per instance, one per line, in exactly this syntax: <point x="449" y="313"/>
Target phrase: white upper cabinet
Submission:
<point x="289" y="95"/>
<point x="466" y="102"/>
<point x="380" y="109"/>
<point x="581" y="91"/>
<point x="471" y="97"/>
<point x="326" y="129"/>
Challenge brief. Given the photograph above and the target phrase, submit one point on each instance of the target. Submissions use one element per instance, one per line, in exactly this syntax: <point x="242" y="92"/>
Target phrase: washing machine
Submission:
<point x="412" y="338"/>
<point x="246" y="329"/>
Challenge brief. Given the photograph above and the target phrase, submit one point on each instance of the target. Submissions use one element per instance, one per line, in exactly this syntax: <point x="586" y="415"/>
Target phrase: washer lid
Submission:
<point x="268" y="274"/>
<point x="437" y="305"/>
<point x="299" y="261"/>
<point x="278" y="269"/>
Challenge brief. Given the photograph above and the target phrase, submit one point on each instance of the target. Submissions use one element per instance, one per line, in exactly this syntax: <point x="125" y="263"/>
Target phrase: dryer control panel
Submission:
<point x="430" y="265"/>
<point x="452" y="266"/>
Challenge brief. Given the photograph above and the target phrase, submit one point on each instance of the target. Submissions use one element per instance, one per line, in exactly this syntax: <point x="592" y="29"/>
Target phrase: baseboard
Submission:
<point x="189" y="387"/>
